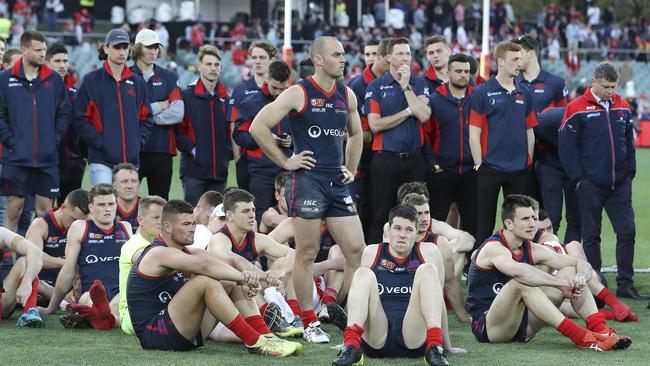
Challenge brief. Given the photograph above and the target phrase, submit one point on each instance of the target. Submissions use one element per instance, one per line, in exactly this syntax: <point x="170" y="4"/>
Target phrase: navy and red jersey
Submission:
<point x="71" y="149"/>
<point x="162" y="85"/>
<point x="598" y="144"/>
<point x="149" y="295"/>
<point x="359" y="85"/>
<point x="53" y="245"/>
<point x="100" y="254"/>
<point x="395" y="276"/>
<point x="484" y="284"/>
<point x="448" y="130"/>
<point x="547" y="90"/>
<point x="113" y="117"/>
<point x="504" y="118"/>
<point x="206" y="129"/>
<point x="246" y="248"/>
<point x="385" y="97"/>
<point x="34" y="116"/>
<point x="258" y="162"/>
<point x="430" y="237"/>
<point x="131" y="217"/>
<point x="320" y="125"/>
<point x="428" y="82"/>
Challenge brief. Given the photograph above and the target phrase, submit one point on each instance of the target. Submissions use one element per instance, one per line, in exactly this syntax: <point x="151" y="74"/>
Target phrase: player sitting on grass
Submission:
<point x="177" y="295"/>
<point x="511" y="300"/>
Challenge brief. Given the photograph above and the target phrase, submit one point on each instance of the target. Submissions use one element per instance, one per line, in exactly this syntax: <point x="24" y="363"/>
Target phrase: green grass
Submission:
<point x="53" y="345"/>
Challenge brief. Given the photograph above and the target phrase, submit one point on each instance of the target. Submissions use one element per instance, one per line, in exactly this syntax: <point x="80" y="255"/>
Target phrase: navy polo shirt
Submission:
<point x="384" y="96"/>
<point x="546" y="90"/>
<point x="503" y="118"/>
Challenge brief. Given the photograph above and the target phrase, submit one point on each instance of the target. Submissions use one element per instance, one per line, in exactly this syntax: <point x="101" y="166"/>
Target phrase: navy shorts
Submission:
<point x="26" y="181"/>
<point x="313" y="196"/>
<point x="394" y="346"/>
<point x="161" y="333"/>
<point x="479" y="327"/>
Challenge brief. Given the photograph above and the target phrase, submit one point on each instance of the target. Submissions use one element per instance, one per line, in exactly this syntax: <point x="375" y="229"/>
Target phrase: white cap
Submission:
<point x="218" y="211"/>
<point x="147" y="37"/>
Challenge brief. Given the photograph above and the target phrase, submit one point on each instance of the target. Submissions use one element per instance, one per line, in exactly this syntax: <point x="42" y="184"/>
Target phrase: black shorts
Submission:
<point x="161" y="333"/>
<point x="26" y="181"/>
<point x="313" y="196"/>
<point x="394" y="346"/>
<point x="479" y="327"/>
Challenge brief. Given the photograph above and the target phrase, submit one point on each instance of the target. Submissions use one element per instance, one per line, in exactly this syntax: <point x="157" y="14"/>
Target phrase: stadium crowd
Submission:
<point x="409" y="163"/>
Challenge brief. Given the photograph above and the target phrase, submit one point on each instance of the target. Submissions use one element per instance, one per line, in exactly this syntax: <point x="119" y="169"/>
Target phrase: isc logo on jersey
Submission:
<point x="315" y="132"/>
<point x="391" y="290"/>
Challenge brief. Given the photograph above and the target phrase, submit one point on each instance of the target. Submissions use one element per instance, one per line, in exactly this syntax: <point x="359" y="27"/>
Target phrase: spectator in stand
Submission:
<point x="113" y="135"/>
<point x="239" y="31"/>
<point x="239" y="54"/>
<point x="197" y="36"/>
<point x="420" y="17"/>
<point x="204" y="136"/>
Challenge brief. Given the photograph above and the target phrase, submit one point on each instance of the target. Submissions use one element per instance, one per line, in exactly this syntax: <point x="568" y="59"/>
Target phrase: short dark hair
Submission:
<point x="123" y="166"/>
<point x="29" y="36"/>
<point x="412" y="187"/>
<point x="515" y="201"/>
<point x="460" y="57"/>
<point x="9" y="53"/>
<point x="473" y="65"/>
<point x="78" y="199"/>
<point x="281" y="180"/>
<point x="147" y="202"/>
<point x="415" y="199"/>
<point x="269" y="48"/>
<point x="606" y="70"/>
<point x="211" y="198"/>
<point x="372" y="42"/>
<point x="394" y="42"/>
<point x="55" y="49"/>
<point x="173" y="208"/>
<point x="404" y="211"/>
<point x="306" y="68"/>
<point x="234" y="197"/>
<point x="542" y="214"/>
<point x="279" y="71"/>
<point x="528" y="42"/>
<point x="435" y="39"/>
<point x="383" y="47"/>
<point x="101" y="189"/>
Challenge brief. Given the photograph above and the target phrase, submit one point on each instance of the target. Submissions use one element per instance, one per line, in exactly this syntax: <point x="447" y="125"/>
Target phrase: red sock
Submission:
<point x="608" y="314"/>
<point x="263" y="308"/>
<point x="329" y="296"/>
<point x="620" y="310"/>
<point x="434" y="337"/>
<point x="573" y="331"/>
<point x="258" y="324"/>
<point x="308" y="317"/>
<point x="100" y="301"/>
<point x="104" y="323"/>
<point x="96" y="321"/>
<point x="352" y="335"/>
<point x="244" y="331"/>
<point x="293" y="304"/>
<point x="84" y="311"/>
<point x="596" y="322"/>
<point x="31" y="300"/>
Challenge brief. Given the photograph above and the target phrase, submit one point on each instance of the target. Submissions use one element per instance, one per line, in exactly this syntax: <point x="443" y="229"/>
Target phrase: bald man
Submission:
<point x="321" y="112"/>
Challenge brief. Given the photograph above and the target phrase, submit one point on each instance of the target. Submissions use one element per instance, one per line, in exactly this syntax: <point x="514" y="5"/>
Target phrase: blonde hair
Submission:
<point x="503" y="47"/>
<point x="209" y="50"/>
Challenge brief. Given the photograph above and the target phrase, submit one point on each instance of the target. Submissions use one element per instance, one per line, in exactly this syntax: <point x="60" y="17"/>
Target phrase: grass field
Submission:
<point x="53" y="345"/>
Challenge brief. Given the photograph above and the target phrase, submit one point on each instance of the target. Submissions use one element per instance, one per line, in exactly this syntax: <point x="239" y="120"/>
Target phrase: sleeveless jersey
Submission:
<point x="430" y="237"/>
<point x="320" y="125"/>
<point x="148" y="295"/>
<point x="246" y="248"/>
<point x="131" y="217"/>
<point x="99" y="256"/>
<point x="395" y="277"/>
<point x="483" y="285"/>
<point x="54" y="245"/>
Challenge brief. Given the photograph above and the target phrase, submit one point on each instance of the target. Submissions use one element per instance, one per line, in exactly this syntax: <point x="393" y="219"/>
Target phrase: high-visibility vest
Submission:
<point x="5" y="28"/>
<point x="87" y="3"/>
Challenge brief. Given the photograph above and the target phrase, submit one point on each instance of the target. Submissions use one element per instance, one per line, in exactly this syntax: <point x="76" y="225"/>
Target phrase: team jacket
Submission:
<point x="204" y="128"/>
<point x="427" y="83"/>
<point x="597" y="144"/>
<point x="258" y="162"/>
<point x="71" y="149"/>
<point x="447" y="133"/>
<point x="504" y="117"/>
<point x="113" y="117"/>
<point x="34" y="116"/>
<point x="163" y="85"/>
